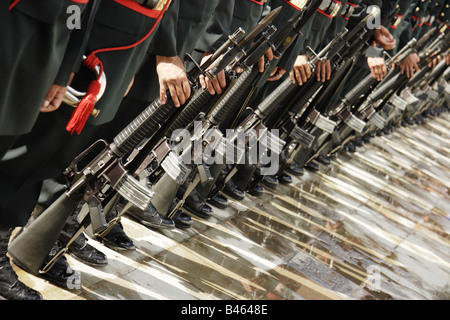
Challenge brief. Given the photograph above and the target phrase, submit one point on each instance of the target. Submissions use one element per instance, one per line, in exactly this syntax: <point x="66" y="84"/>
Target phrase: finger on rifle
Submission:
<point x="222" y="80"/>
<point x="261" y="64"/>
<point x="180" y="93"/>
<point x="328" y="70"/>
<point x="269" y="54"/>
<point x="173" y="94"/>
<point x="202" y="81"/>
<point x="292" y="76"/>
<point x="186" y="89"/>
<point x="298" y="76"/>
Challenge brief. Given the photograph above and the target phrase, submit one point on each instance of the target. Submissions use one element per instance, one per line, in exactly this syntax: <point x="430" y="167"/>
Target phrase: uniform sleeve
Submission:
<point x="164" y="42"/>
<point x="218" y="27"/>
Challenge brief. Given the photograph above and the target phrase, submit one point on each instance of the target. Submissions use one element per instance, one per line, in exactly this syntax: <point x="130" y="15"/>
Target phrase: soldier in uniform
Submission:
<point x="120" y="35"/>
<point x="227" y="17"/>
<point x="30" y="27"/>
<point x="292" y="64"/>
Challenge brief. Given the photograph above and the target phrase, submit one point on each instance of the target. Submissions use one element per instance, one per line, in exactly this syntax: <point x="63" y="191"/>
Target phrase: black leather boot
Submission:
<point x="232" y="191"/>
<point x="312" y="166"/>
<point x="323" y="159"/>
<point x="116" y="239"/>
<point x="61" y="274"/>
<point x="80" y="249"/>
<point x="150" y="217"/>
<point x="182" y="220"/>
<point x="270" y="181"/>
<point x="218" y="201"/>
<point x="84" y="252"/>
<point x="194" y="204"/>
<point x="295" y="169"/>
<point x="10" y="287"/>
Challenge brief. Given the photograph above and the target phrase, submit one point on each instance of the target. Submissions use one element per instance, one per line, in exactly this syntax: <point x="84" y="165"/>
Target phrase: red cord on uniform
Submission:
<point x="86" y="105"/>
<point x="13" y="4"/>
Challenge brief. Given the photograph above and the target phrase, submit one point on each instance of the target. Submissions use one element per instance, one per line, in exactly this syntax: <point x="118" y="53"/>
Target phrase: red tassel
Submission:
<point x="86" y="105"/>
<point x="84" y="109"/>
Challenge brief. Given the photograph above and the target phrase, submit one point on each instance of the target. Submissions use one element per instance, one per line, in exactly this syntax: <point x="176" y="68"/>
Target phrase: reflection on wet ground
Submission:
<point x="373" y="225"/>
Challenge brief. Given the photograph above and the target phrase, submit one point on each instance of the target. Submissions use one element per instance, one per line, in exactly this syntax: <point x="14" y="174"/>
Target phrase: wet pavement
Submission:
<point x="372" y="225"/>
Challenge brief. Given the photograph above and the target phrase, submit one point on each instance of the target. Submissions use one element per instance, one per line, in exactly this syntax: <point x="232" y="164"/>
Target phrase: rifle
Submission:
<point x="295" y="126"/>
<point x="231" y="100"/>
<point x="168" y="173"/>
<point x="346" y="118"/>
<point x="103" y="176"/>
<point x="383" y="100"/>
<point x="281" y="41"/>
<point x="238" y="95"/>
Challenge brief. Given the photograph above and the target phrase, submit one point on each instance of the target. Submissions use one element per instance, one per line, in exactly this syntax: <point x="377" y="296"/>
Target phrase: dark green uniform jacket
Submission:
<point x="49" y="147"/>
<point x="32" y="47"/>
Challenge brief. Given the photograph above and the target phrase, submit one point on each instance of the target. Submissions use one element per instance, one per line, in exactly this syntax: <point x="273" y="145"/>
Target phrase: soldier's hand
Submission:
<point x="301" y="70"/>
<point x="384" y="39"/>
<point x="447" y="59"/>
<point x="323" y="71"/>
<point x="276" y="74"/>
<point x="435" y="60"/>
<point x="215" y="85"/>
<point x="262" y="60"/>
<point x="410" y="65"/>
<point x="172" y="76"/>
<point x="53" y="98"/>
<point x="377" y="67"/>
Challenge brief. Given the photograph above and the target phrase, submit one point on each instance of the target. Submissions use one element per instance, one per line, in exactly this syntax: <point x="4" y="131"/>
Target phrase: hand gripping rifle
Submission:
<point x="156" y="157"/>
<point x="104" y="175"/>
<point x="392" y="95"/>
<point x="295" y="128"/>
<point x="177" y="166"/>
<point x="381" y="101"/>
<point x="237" y="92"/>
<point x="161" y="158"/>
<point x="226" y="109"/>
<point x="255" y="122"/>
<point x="279" y="43"/>
<point x="346" y="119"/>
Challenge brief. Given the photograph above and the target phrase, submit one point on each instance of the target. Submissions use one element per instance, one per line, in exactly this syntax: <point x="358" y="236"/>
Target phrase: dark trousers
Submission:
<point x="49" y="150"/>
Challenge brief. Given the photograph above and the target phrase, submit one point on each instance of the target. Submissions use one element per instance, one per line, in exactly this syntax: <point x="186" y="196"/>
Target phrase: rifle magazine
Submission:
<point x="302" y="137"/>
<point x="132" y="190"/>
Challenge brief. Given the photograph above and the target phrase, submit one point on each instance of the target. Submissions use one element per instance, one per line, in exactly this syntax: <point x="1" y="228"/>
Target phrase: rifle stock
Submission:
<point x="30" y="248"/>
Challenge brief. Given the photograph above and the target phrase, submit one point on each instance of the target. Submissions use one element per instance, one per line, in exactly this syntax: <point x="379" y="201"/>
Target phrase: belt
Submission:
<point x="298" y="3"/>
<point x="330" y="7"/>
<point x="151" y="4"/>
